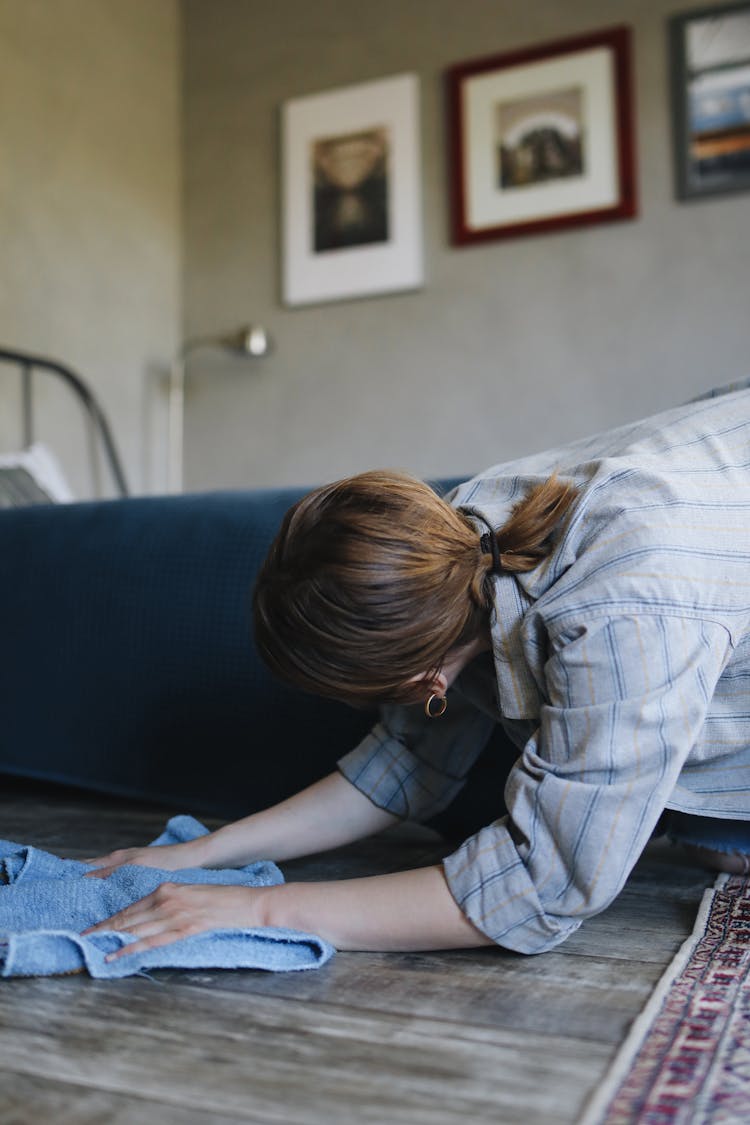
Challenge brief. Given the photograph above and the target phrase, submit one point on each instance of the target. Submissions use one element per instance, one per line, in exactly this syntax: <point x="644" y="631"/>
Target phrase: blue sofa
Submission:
<point x="127" y="662"/>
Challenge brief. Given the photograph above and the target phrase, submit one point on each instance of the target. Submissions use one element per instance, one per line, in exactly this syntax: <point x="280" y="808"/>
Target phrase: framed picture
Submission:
<point x="542" y="138"/>
<point x="352" y="223"/>
<point x="710" y="70"/>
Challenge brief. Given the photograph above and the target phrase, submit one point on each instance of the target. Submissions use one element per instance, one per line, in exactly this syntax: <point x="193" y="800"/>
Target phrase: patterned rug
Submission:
<point x="686" y="1060"/>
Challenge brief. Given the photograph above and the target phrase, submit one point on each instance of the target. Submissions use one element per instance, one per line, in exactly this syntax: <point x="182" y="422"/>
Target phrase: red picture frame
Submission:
<point x="542" y="139"/>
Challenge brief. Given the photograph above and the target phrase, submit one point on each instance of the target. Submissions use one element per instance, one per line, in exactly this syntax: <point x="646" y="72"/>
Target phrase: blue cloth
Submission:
<point x="45" y="902"/>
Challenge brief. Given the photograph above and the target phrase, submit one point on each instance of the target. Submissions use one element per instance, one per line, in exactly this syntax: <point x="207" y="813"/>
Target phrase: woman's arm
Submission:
<point x="410" y="910"/>
<point x="328" y="814"/>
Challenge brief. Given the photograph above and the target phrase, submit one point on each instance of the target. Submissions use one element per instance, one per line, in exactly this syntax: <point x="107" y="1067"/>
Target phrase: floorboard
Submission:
<point x="37" y="1099"/>
<point x="384" y="1039"/>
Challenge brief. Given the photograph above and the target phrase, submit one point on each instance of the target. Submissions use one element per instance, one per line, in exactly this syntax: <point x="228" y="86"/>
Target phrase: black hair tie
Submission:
<point x="488" y="541"/>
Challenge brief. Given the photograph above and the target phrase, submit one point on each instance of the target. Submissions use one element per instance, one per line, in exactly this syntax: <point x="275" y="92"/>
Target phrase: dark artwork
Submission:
<point x="711" y="88"/>
<point x="350" y="204"/>
<point x="540" y="139"/>
<point x="719" y="113"/>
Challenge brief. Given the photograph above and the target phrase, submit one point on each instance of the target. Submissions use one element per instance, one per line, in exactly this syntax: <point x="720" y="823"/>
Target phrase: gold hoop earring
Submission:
<point x="442" y="704"/>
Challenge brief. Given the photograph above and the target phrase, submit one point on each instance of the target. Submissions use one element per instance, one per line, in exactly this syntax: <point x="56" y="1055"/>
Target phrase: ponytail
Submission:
<point x="524" y="540"/>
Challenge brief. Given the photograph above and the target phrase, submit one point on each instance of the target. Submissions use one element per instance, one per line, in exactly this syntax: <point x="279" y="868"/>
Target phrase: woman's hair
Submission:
<point x="373" y="579"/>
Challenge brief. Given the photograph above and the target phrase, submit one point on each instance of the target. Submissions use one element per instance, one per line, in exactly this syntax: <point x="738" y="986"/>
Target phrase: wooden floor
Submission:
<point x="475" y="1037"/>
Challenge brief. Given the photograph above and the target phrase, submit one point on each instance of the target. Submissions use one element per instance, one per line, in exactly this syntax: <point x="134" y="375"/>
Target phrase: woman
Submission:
<point x="594" y="600"/>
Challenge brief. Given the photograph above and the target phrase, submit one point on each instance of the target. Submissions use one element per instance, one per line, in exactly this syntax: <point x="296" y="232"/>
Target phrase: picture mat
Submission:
<point x="392" y="103"/>
<point x="488" y="205"/>
<point x="715" y="40"/>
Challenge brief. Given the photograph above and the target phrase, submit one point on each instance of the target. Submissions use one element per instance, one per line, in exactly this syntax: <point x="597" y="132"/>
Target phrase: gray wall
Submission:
<point x="511" y="346"/>
<point x="90" y="215"/>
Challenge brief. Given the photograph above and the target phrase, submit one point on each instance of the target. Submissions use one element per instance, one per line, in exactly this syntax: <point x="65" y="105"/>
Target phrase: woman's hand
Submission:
<point x="167" y="857"/>
<point x="179" y="910"/>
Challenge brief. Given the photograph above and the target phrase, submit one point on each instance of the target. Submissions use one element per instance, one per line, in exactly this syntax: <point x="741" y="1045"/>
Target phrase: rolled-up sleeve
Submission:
<point x="413" y="766"/>
<point x="625" y="701"/>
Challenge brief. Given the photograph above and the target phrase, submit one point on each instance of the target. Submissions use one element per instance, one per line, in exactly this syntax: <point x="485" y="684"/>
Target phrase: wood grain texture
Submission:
<point x="385" y="1039"/>
<point x="278" y="1059"/>
<point x="32" y="1100"/>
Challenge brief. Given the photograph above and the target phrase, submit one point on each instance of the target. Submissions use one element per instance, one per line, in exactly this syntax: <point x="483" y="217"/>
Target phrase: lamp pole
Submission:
<point x="175" y="423"/>
<point x="252" y="341"/>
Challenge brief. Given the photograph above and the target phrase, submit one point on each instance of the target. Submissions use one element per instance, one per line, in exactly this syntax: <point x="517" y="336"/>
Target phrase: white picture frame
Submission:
<point x="351" y="192"/>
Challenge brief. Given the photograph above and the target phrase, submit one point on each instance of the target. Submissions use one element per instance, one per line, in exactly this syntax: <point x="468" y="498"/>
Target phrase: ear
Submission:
<point x="436" y="684"/>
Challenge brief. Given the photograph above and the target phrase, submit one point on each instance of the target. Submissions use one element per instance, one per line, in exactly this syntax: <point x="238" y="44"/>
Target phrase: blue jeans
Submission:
<point x="730" y="836"/>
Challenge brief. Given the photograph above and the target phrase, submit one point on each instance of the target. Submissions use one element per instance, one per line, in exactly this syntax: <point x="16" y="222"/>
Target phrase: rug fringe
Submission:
<point x="596" y="1107"/>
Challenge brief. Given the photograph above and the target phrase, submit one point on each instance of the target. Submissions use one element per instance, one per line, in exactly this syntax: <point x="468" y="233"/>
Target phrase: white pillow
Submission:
<point x="32" y="476"/>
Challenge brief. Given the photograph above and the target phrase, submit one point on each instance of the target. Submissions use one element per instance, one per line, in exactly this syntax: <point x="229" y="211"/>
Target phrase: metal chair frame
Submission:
<point x="29" y="364"/>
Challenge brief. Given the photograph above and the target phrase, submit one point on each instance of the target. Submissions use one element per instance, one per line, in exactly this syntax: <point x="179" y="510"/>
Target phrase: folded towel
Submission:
<point x="45" y="902"/>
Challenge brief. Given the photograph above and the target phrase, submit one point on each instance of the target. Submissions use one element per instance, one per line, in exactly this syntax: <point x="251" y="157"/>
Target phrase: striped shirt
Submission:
<point x="620" y="668"/>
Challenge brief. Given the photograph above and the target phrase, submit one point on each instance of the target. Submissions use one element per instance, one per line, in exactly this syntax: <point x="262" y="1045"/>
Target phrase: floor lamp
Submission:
<point x="251" y="342"/>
